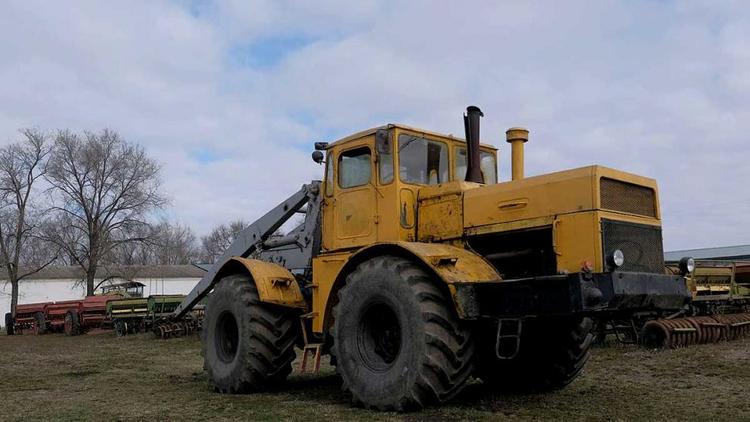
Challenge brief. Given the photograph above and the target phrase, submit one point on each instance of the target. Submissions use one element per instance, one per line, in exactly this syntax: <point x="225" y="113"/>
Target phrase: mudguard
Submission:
<point x="275" y="283"/>
<point x="450" y="264"/>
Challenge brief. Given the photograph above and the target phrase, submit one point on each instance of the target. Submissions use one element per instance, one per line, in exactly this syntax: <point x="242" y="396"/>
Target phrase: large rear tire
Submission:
<point x="72" y="326"/>
<point x="552" y="354"/>
<point x="397" y="341"/>
<point x="9" y="324"/>
<point x="248" y="345"/>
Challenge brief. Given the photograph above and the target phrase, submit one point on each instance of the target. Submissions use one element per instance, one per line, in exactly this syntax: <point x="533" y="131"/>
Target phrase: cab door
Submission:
<point x="352" y="211"/>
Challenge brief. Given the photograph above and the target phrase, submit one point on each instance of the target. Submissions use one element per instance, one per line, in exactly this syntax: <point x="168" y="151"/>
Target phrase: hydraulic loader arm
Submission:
<point x="255" y="238"/>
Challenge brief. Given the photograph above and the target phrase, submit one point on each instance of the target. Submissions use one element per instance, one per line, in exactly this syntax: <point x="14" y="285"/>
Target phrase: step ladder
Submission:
<point x="508" y="340"/>
<point x="310" y="349"/>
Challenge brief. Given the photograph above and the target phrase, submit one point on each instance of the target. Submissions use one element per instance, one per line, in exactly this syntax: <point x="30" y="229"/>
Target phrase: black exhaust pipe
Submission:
<point x="471" y="125"/>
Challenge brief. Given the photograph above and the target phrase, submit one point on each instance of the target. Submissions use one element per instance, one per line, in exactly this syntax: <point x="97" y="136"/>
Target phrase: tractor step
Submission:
<point x="508" y="340"/>
<point x="311" y="346"/>
<point x="316" y="350"/>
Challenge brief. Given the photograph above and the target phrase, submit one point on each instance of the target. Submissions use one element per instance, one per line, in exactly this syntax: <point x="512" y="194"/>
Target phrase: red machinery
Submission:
<point x="30" y="316"/>
<point x="93" y="313"/>
<point x="57" y="315"/>
<point x="70" y="316"/>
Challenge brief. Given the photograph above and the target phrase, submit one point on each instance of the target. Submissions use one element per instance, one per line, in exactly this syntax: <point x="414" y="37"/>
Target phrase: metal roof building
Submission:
<point x="740" y="252"/>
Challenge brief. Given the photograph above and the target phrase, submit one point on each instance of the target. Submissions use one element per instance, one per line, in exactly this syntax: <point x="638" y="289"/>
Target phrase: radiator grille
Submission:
<point x="641" y="244"/>
<point x="617" y="195"/>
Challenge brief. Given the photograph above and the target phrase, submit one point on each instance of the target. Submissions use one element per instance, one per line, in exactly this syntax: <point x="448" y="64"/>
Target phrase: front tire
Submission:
<point x="248" y="345"/>
<point x="397" y="341"/>
<point x="552" y="354"/>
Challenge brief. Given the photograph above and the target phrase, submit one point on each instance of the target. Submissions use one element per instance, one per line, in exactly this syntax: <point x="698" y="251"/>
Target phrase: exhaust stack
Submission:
<point x="516" y="137"/>
<point x="471" y="126"/>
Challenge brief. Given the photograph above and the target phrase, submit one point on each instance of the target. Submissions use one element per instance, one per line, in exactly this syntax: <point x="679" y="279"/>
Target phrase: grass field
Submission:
<point x="102" y="377"/>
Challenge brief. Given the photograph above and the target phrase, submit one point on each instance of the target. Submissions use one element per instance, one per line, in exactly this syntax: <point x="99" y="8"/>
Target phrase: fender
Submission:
<point x="448" y="263"/>
<point x="275" y="283"/>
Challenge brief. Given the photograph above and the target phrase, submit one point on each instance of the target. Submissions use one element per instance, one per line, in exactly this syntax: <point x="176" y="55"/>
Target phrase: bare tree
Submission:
<point x="22" y="164"/>
<point x="166" y="244"/>
<point x="134" y="253"/>
<point x="221" y="237"/>
<point x="104" y="188"/>
<point x="175" y="244"/>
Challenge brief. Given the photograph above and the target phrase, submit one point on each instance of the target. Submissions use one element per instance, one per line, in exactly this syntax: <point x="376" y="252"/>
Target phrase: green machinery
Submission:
<point x="137" y="314"/>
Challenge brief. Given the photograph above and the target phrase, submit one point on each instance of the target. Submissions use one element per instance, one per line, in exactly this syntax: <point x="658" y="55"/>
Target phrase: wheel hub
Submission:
<point x="379" y="337"/>
<point x="227" y="337"/>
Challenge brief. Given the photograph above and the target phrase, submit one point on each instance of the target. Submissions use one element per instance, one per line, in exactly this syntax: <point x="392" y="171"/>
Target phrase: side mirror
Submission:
<point x="317" y="156"/>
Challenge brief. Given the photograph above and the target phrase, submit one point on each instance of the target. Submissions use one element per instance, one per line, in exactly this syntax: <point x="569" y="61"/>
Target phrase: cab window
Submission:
<point x="422" y="161"/>
<point x="355" y="168"/>
<point x="385" y="166"/>
<point x="486" y="164"/>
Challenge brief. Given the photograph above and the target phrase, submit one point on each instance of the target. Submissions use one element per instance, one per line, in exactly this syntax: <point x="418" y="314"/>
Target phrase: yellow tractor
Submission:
<point x="415" y="269"/>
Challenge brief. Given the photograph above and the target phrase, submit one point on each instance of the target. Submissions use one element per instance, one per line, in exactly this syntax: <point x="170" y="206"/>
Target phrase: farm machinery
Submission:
<point x="720" y="308"/>
<point x="72" y="317"/>
<point x="133" y="315"/>
<point x="127" y="315"/>
<point x="414" y="269"/>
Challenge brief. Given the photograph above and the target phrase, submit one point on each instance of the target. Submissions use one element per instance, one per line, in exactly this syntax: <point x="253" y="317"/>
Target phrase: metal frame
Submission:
<point x="293" y="251"/>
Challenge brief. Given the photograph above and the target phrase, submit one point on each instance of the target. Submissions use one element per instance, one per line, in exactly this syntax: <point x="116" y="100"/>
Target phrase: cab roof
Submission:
<point x="367" y="132"/>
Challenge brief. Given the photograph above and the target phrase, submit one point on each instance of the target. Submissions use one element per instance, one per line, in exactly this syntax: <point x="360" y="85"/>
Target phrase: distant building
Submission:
<point x="735" y="253"/>
<point x="64" y="283"/>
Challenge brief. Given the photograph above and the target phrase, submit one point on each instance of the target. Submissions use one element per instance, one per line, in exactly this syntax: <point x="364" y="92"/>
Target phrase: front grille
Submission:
<point x="641" y="244"/>
<point x="617" y="195"/>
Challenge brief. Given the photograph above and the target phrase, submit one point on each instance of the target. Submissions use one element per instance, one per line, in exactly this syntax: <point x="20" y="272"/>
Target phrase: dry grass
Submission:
<point x="102" y="377"/>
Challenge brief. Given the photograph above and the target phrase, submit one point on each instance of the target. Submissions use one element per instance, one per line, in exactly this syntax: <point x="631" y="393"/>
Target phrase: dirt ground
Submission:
<point x="102" y="377"/>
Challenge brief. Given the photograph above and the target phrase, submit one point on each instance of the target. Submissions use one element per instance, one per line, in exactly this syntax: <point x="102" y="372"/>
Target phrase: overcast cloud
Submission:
<point x="229" y="96"/>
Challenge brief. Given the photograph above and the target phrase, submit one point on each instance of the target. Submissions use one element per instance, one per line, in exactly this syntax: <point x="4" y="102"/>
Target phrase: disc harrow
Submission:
<point x="680" y="332"/>
<point x="170" y="329"/>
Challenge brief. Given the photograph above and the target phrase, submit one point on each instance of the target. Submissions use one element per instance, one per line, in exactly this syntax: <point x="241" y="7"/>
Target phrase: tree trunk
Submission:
<point x="93" y="260"/>
<point x="13" y="296"/>
<point x="90" y="276"/>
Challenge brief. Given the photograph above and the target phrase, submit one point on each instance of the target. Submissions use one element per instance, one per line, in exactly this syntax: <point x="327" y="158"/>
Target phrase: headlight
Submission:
<point x="687" y="265"/>
<point x="616" y="259"/>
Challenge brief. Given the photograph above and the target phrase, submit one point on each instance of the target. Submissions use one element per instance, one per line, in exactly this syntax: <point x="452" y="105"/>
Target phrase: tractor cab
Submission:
<point x="125" y="289"/>
<point x="373" y="181"/>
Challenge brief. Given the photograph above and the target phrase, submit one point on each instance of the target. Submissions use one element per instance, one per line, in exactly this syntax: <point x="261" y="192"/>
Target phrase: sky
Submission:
<point x="230" y="96"/>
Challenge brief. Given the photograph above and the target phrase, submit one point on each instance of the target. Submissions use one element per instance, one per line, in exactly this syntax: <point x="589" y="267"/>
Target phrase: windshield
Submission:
<point x="422" y="161"/>
<point x="486" y="164"/>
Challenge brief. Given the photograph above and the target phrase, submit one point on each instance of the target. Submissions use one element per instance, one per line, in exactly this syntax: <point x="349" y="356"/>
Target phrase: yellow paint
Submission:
<point x="326" y="269"/>
<point x="713" y="281"/>
<point x="516" y="137"/>
<point x="275" y="283"/>
<point x="441" y="211"/>
<point x="451" y="263"/>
